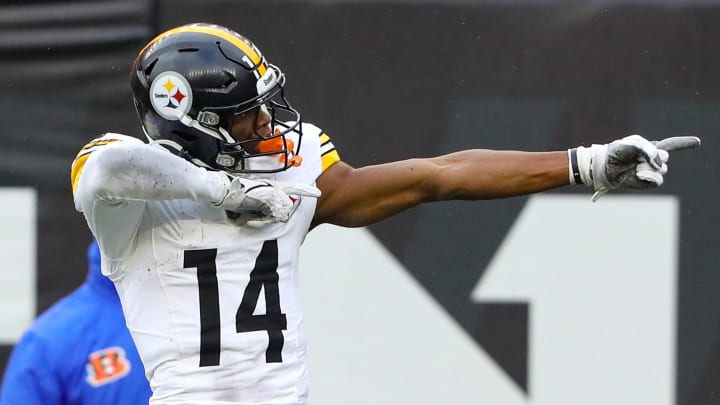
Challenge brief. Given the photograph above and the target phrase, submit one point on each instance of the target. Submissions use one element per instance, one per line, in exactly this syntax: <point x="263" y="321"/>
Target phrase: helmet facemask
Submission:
<point x="260" y="151"/>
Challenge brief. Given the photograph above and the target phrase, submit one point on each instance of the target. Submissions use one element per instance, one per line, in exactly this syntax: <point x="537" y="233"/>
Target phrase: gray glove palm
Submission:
<point x="630" y="162"/>
<point x="263" y="200"/>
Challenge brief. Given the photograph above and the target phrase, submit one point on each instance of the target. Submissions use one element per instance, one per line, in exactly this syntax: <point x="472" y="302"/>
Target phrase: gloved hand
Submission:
<point x="263" y="200"/>
<point x="630" y="162"/>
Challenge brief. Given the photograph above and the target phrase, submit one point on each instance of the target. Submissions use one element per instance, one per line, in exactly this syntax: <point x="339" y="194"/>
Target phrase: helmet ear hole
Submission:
<point x="148" y="70"/>
<point x="230" y="81"/>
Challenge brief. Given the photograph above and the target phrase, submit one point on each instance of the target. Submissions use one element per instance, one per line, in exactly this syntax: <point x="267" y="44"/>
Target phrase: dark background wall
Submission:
<point x="398" y="80"/>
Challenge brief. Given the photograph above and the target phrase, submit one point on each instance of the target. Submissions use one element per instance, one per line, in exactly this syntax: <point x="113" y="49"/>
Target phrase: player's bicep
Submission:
<point x="359" y="197"/>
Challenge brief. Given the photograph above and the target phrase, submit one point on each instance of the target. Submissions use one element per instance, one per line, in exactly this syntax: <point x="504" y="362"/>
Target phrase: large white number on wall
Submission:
<point x="17" y="255"/>
<point x="599" y="279"/>
<point x="601" y="283"/>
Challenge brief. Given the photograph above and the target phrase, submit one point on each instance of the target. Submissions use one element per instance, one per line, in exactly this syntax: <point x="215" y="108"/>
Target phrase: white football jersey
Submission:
<point x="213" y="307"/>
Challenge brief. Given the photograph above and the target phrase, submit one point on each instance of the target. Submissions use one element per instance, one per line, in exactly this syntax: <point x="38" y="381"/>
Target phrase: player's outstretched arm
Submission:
<point x="359" y="197"/>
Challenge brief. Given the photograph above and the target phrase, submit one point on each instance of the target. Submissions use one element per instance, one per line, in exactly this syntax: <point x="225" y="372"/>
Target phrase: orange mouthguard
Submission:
<point x="276" y="145"/>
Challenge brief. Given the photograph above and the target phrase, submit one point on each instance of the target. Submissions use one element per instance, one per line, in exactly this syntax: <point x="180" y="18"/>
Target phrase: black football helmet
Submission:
<point x="191" y="82"/>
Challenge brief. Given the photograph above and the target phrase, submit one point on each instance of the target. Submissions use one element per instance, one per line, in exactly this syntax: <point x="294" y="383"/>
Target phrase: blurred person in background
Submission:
<point x="78" y="352"/>
<point x="201" y="227"/>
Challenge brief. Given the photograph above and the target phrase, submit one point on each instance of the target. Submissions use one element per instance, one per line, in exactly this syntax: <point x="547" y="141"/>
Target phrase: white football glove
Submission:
<point x="630" y="162"/>
<point x="263" y="200"/>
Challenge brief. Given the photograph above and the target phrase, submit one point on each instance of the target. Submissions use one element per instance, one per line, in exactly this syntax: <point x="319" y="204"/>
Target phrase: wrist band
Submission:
<point x="575" y="170"/>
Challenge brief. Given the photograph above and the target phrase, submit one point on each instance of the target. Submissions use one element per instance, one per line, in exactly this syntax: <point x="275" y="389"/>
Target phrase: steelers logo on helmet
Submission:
<point x="170" y="90"/>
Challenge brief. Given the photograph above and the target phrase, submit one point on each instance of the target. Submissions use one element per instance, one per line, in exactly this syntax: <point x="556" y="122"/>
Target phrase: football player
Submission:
<point x="201" y="227"/>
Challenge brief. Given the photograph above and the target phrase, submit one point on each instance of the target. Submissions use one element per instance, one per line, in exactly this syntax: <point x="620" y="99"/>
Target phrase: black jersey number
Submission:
<point x="263" y="276"/>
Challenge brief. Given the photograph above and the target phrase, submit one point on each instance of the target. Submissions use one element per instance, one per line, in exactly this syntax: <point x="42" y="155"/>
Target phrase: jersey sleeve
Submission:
<point x="114" y="176"/>
<point x="319" y="144"/>
<point x="328" y="153"/>
<point x="117" y="168"/>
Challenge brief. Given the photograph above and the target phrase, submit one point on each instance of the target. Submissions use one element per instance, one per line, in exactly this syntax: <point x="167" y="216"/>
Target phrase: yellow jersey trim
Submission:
<point x="330" y="159"/>
<point x="79" y="163"/>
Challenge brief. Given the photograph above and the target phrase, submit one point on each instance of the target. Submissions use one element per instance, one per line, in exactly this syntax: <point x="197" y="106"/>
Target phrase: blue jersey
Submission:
<point x="78" y="352"/>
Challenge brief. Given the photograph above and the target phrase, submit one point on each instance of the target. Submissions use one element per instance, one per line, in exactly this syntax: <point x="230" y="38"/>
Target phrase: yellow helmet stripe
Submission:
<point x="220" y="33"/>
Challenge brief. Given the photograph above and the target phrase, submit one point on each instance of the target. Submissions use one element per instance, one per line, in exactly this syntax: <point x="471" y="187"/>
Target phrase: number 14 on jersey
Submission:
<point x="264" y="275"/>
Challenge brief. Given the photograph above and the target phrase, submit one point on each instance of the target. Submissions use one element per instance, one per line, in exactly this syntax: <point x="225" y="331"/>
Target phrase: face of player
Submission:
<point x="262" y="147"/>
<point x="252" y="124"/>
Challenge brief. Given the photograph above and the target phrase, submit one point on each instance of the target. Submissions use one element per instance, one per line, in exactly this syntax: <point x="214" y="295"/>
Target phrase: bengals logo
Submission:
<point x="107" y="365"/>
